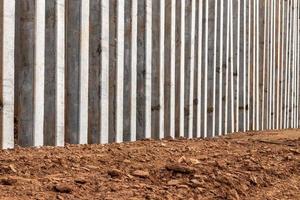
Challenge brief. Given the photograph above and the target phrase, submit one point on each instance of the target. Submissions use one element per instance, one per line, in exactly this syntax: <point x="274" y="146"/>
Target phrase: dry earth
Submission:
<point x="261" y="165"/>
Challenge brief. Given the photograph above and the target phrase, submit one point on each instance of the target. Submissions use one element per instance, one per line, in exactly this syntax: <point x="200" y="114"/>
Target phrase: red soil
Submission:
<point x="262" y="165"/>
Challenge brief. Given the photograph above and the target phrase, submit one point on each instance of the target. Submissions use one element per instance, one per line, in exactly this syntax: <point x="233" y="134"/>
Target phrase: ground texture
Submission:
<point x="261" y="165"/>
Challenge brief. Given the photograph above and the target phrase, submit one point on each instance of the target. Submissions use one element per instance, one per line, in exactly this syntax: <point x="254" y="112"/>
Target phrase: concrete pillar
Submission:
<point x="7" y="35"/>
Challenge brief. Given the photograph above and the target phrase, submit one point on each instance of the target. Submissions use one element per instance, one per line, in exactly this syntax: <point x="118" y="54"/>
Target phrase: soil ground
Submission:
<point x="256" y="165"/>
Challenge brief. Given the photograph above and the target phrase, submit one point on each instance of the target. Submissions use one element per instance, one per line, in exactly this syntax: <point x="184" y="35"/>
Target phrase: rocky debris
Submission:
<point x="222" y="168"/>
<point x="190" y="161"/>
<point x="195" y="183"/>
<point x="180" y="168"/>
<point x="126" y="161"/>
<point x="62" y="188"/>
<point x="194" y="161"/>
<point x="141" y="173"/>
<point x="174" y="182"/>
<point x="13" y="168"/>
<point x="80" y="181"/>
<point x="114" y="173"/>
<point x="8" y="181"/>
<point x="182" y="159"/>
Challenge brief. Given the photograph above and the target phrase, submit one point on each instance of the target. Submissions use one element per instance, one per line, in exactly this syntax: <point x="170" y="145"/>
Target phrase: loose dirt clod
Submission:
<point x="195" y="183"/>
<point x="62" y="189"/>
<point x="174" y="182"/>
<point x="80" y="181"/>
<point x="8" y="181"/>
<point x="180" y="168"/>
<point x="114" y="173"/>
<point x="141" y="173"/>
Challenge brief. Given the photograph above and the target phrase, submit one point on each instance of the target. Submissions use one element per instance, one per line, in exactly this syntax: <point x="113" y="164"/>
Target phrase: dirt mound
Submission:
<point x="240" y="166"/>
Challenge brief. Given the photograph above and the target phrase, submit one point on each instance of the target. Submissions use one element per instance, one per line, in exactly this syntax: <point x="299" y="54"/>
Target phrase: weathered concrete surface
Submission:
<point x="25" y="15"/>
<point x="175" y="72"/>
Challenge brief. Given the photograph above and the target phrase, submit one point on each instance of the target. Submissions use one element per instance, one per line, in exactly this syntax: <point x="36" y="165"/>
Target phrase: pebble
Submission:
<point x="62" y="189"/>
<point x="180" y="168"/>
<point x="174" y="182"/>
<point x="114" y="173"/>
<point x="141" y="173"/>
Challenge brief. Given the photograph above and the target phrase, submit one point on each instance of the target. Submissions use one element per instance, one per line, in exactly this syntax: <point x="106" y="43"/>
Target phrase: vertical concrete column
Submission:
<point x="220" y="98"/>
<point x="264" y="66"/>
<point x="199" y="67"/>
<point x="257" y="65"/>
<point x="104" y="82"/>
<point x="120" y="71"/>
<point x="244" y="65"/>
<point x="254" y="77"/>
<point x="161" y="129"/>
<point x="134" y="10"/>
<point x="275" y="45"/>
<point x="141" y="69"/>
<point x="172" y="68"/>
<point x="192" y="70"/>
<point x="278" y="49"/>
<point x="60" y="74"/>
<point x="213" y="130"/>
<point x="54" y="90"/>
<point x="148" y="67"/>
<point x="288" y="108"/>
<point x="226" y="99"/>
<point x="231" y="68"/>
<point x="282" y="57"/>
<point x="7" y="69"/>
<point x="271" y="66"/>
<point x="77" y="71"/>
<point x="205" y="80"/>
<point x="84" y="71"/>
<point x="238" y="58"/>
<point x="73" y="13"/>
<point x="249" y="67"/>
<point x="286" y="65"/>
<point x="156" y="108"/>
<point x="182" y="74"/>
<point x="127" y="90"/>
<point x="39" y="74"/>
<point x="25" y="71"/>
<point x="294" y="64"/>
<point x="297" y="64"/>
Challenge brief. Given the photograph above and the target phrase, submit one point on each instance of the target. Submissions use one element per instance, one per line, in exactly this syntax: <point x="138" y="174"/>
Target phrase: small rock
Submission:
<point x="253" y="180"/>
<point x="195" y="183"/>
<point x="59" y="197"/>
<point x="183" y="186"/>
<point x="13" y="168"/>
<point x="174" y="182"/>
<point x="289" y="156"/>
<point x="91" y="167"/>
<point x="8" y="181"/>
<point x="163" y="144"/>
<point x="180" y="168"/>
<point x="221" y="164"/>
<point x="141" y="174"/>
<point x="114" y="173"/>
<point x="194" y="161"/>
<point x="126" y="161"/>
<point x="182" y="159"/>
<point x="295" y="151"/>
<point x="80" y="181"/>
<point x="62" y="189"/>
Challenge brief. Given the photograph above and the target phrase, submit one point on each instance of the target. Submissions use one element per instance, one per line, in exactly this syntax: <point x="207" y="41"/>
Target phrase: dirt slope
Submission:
<point x="263" y="165"/>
